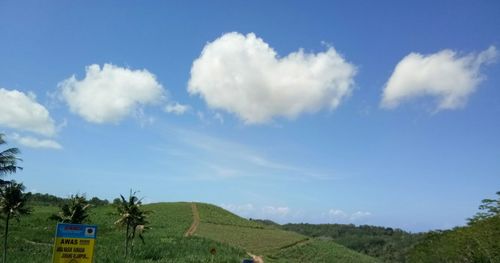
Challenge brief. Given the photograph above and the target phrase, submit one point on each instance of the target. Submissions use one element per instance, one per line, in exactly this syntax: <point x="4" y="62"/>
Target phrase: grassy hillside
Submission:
<point x="318" y="251"/>
<point x="30" y="240"/>
<point x="275" y="244"/>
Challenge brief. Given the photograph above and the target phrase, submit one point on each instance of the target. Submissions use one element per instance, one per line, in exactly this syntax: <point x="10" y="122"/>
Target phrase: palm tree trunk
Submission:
<point x="5" y="238"/>
<point x="126" y="240"/>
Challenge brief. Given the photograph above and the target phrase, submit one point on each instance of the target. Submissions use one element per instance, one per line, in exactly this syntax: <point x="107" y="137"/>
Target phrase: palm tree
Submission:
<point x="74" y="212"/>
<point x="8" y="160"/>
<point x="12" y="205"/>
<point x="132" y="218"/>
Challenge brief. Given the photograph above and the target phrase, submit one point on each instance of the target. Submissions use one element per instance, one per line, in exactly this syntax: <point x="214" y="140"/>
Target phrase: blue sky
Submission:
<point x="361" y="112"/>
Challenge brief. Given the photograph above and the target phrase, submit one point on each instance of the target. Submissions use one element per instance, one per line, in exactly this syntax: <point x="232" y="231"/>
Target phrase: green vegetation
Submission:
<point x="74" y="211"/>
<point x="221" y="225"/>
<point x="255" y="240"/>
<point x="32" y="238"/>
<point x="133" y="218"/>
<point x="318" y="251"/>
<point x="387" y="244"/>
<point x="8" y="159"/>
<point x="478" y="242"/>
<point x="215" y="215"/>
<point x="12" y="206"/>
<point x="267" y="239"/>
<point x="489" y="208"/>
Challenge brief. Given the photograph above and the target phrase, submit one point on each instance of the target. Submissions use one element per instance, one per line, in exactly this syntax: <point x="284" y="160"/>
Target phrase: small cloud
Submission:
<point x="446" y="76"/>
<point x="341" y="216"/>
<point x="219" y="117"/>
<point x="239" y="209"/>
<point x="359" y="215"/>
<point x="177" y="108"/>
<point x="21" y="111"/>
<point x="111" y="93"/>
<point x="33" y="142"/>
<point x="243" y="75"/>
<point x="275" y="211"/>
<point x="337" y="214"/>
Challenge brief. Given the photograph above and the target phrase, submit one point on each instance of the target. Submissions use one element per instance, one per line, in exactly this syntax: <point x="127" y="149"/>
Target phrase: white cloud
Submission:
<point x="244" y="75"/>
<point x="340" y="216"/>
<point x="110" y="93"/>
<point x="21" y="111"/>
<point x="359" y="215"/>
<point x="445" y="75"/>
<point x="265" y="212"/>
<point x="275" y="211"/>
<point x="177" y="108"/>
<point x="337" y="214"/>
<point x="33" y="142"/>
<point x="219" y="117"/>
<point x="242" y="210"/>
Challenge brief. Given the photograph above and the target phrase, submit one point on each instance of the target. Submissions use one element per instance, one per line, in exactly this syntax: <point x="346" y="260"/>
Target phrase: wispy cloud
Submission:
<point x="226" y="159"/>
<point x="177" y="108"/>
<point x="33" y="142"/>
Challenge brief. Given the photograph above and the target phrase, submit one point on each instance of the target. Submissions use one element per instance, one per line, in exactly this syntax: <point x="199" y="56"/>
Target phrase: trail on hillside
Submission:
<point x="196" y="221"/>
<point x="256" y="259"/>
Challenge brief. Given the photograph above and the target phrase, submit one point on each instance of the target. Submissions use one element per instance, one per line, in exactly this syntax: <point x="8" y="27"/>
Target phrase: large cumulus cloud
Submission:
<point x="245" y="76"/>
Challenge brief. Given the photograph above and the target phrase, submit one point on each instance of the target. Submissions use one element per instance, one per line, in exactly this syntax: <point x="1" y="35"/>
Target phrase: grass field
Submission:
<point x="31" y="239"/>
<point x="255" y="240"/>
<point x="318" y="251"/>
<point x="274" y="244"/>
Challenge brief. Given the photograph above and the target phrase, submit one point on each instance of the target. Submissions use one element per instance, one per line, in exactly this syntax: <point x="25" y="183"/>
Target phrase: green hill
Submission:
<point x="30" y="240"/>
<point x="478" y="242"/>
<point x="386" y="244"/>
<point x="270" y="241"/>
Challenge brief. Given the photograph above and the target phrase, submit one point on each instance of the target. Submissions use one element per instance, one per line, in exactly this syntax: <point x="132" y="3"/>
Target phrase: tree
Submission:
<point x="8" y="160"/>
<point x="489" y="208"/>
<point x="132" y="217"/>
<point x="73" y="212"/>
<point x="12" y="205"/>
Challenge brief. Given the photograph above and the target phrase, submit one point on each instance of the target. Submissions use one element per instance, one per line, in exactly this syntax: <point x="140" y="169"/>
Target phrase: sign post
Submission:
<point x="74" y="243"/>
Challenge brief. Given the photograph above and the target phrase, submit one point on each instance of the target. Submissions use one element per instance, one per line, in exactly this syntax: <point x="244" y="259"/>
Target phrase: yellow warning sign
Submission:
<point x="74" y="243"/>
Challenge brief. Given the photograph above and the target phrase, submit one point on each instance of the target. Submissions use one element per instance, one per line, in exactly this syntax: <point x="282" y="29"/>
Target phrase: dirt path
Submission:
<point x="196" y="221"/>
<point x="256" y="259"/>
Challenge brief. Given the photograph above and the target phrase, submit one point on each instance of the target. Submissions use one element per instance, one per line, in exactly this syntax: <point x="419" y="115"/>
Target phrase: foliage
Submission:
<point x="12" y="205"/>
<point x="133" y="218"/>
<point x="489" y="208"/>
<point x="8" y="160"/>
<point x="387" y="244"/>
<point x="318" y="251"/>
<point x="95" y="201"/>
<point x="477" y="242"/>
<point x="75" y="211"/>
<point x="46" y="199"/>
